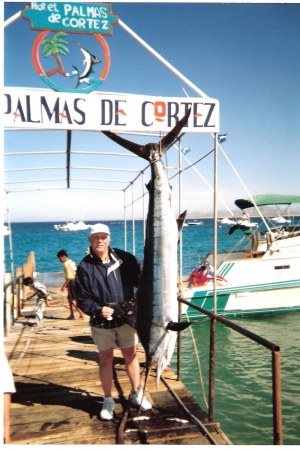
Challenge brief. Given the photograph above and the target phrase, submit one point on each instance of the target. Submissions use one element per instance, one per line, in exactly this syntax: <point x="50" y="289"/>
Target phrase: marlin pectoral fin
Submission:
<point x="177" y="326"/>
<point x="131" y="146"/>
<point x="167" y="141"/>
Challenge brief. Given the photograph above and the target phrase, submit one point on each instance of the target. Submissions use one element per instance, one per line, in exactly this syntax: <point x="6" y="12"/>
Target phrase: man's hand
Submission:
<point x="106" y="312"/>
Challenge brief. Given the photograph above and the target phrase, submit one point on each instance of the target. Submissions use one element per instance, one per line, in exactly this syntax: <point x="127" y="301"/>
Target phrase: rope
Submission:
<point x="41" y="331"/>
<point x="53" y="329"/>
<point x="120" y="432"/>
<point x="200" y="425"/>
<point x="23" y="352"/>
<point x="192" y="165"/>
<point x="198" y="361"/>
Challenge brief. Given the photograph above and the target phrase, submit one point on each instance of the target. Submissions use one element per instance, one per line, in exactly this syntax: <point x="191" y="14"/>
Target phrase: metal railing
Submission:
<point x="12" y="300"/>
<point x="276" y="376"/>
<point x="12" y="309"/>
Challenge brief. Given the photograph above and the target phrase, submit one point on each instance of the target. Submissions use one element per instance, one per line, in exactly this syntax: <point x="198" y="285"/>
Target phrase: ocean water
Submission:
<point x="243" y="384"/>
<point x="45" y="242"/>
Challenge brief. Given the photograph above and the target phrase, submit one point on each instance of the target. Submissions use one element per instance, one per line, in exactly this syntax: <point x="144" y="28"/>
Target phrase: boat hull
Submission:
<point x="72" y="226"/>
<point x="245" y="300"/>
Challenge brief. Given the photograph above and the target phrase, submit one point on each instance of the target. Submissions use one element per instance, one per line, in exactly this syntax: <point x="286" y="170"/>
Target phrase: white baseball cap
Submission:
<point x="99" y="228"/>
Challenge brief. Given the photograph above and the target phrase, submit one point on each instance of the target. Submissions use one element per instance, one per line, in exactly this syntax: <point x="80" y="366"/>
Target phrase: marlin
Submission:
<point x="157" y="305"/>
<point x="89" y="61"/>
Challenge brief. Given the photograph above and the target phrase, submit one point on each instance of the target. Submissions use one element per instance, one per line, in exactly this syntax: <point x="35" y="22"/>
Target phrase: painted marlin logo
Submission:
<point x="89" y="61"/>
<point x="157" y="314"/>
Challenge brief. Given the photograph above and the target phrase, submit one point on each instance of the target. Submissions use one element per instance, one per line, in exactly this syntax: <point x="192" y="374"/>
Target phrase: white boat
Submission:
<point x="227" y="221"/>
<point x="196" y="222"/>
<point x="280" y="219"/>
<point x="263" y="277"/>
<point x="246" y="221"/>
<point x="5" y="230"/>
<point x="72" y="226"/>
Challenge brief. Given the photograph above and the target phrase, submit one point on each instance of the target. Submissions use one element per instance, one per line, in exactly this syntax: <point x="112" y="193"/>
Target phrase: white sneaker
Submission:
<point x="107" y="411"/>
<point x="136" y="400"/>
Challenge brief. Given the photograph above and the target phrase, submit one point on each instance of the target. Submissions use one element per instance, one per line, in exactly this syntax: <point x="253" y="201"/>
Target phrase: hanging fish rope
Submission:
<point x="200" y="425"/>
<point x="192" y="165"/>
<point x="198" y="361"/>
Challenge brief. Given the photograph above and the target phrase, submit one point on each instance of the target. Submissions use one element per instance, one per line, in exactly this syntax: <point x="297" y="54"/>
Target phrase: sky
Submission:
<point x="245" y="55"/>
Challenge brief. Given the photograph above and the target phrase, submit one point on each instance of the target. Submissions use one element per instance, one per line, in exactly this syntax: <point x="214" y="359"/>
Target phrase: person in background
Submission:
<point x="203" y="274"/>
<point x="42" y="297"/>
<point x="105" y="281"/>
<point x="8" y="389"/>
<point x="69" y="274"/>
<point x="245" y="216"/>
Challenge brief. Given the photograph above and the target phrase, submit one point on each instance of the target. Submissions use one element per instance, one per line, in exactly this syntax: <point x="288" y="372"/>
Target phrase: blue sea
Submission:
<point x="243" y="387"/>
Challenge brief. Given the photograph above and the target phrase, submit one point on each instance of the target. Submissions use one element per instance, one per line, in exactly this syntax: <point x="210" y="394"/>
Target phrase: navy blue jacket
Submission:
<point x="98" y="284"/>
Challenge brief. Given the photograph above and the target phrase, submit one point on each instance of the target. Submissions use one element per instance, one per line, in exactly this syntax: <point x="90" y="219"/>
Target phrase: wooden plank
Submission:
<point x="59" y="394"/>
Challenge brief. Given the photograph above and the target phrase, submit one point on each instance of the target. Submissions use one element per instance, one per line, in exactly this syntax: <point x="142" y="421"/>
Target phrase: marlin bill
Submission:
<point x="157" y="311"/>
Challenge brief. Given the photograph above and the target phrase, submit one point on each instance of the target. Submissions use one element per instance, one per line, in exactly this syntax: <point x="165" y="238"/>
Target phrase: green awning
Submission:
<point x="243" y="228"/>
<point x="268" y="199"/>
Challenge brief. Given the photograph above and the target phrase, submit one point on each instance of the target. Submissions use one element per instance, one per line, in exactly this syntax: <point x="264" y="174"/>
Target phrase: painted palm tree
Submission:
<point x="53" y="47"/>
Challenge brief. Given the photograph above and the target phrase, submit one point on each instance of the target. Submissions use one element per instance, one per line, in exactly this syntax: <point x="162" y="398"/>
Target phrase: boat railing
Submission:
<point x="241" y="242"/>
<point x="237" y="248"/>
<point x="276" y="375"/>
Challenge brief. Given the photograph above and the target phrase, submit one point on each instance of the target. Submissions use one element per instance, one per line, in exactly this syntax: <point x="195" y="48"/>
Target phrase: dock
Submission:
<point x="59" y="394"/>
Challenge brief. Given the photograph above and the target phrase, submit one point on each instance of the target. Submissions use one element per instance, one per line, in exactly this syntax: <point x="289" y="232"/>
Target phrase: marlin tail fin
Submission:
<point x="144" y="150"/>
<point x="169" y="139"/>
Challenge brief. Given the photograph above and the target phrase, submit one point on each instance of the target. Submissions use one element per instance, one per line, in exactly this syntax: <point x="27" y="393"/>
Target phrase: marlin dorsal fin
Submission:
<point x="180" y="220"/>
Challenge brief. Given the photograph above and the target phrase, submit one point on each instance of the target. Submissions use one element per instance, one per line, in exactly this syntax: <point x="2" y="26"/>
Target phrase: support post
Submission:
<point x="179" y="339"/>
<point x="125" y="224"/>
<point x="211" y="388"/>
<point x="212" y="320"/>
<point x="133" y="220"/>
<point x="144" y="216"/>
<point x="277" y="413"/>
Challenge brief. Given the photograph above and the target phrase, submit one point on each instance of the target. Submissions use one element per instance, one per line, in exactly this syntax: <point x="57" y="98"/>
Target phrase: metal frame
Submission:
<point x="68" y="167"/>
<point x="276" y="375"/>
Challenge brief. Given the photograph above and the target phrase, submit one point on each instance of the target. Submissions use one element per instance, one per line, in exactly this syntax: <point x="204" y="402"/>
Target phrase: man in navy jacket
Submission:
<point x="105" y="281"/>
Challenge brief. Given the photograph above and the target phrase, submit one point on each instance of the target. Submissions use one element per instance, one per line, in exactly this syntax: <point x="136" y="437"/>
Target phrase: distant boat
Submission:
<point x="280" y="219"/>
<point x="227" y="221"/>
<point x="72" y="226"/>
<point x="5" y="230"/>
<point x="196" y="222"/>
<point x="246" y="222"/>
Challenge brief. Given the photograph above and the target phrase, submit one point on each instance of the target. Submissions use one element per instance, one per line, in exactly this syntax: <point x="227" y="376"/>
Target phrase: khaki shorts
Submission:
<point x="122" y="337"/>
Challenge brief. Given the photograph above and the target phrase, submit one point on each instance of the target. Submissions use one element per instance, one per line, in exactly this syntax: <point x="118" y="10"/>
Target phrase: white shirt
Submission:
<point x="7" y="377"/>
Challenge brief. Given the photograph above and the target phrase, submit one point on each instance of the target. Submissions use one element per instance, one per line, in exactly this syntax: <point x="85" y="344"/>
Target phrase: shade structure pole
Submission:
<point x="125" y="224"/>
<point x="179" y="343"/>
<point x="162" y="60"/>
<point x="212" y="319"/>
<point x="133" y="220"/>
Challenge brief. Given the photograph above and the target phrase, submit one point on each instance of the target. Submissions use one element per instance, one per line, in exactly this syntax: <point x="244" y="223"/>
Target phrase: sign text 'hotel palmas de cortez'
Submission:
<point x="72" y="57"/>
